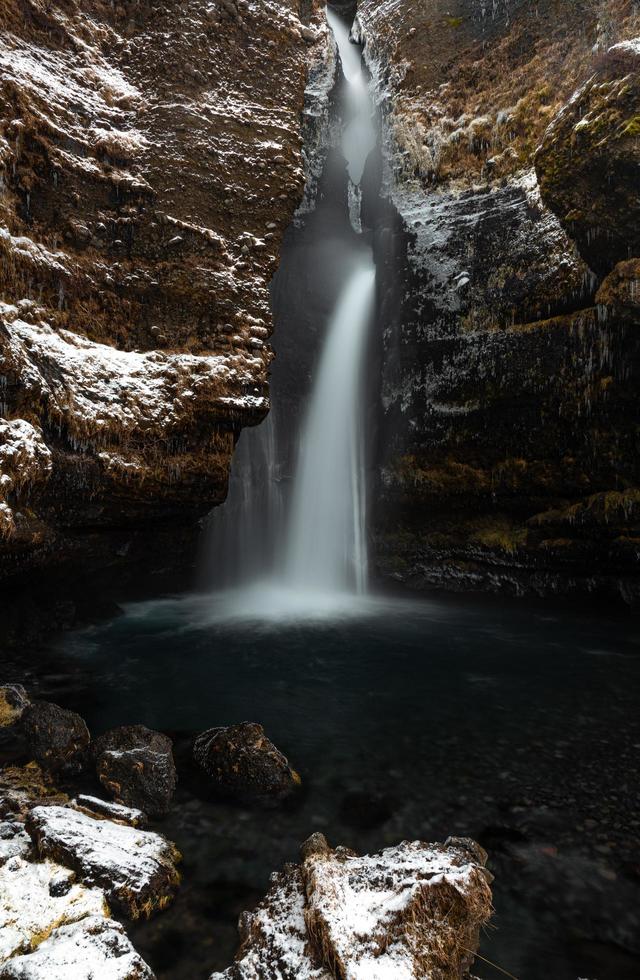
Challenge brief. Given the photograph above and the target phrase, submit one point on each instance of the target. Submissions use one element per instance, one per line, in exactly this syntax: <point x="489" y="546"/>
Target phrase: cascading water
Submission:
<point x="326" y="545"/>
<point x="319" y="553"/>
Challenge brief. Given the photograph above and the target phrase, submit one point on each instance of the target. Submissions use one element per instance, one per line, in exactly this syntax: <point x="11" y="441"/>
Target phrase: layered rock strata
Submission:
<point x="507" y="383"/>
<point x="150" y="160"/>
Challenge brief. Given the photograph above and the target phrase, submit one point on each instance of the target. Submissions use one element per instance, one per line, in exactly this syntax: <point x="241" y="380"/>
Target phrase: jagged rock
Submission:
<point x="13" y="702"/>
<point x="136" y="868"/>
<point x="94" y="947"/>
<point x="588" y="161"/>
<point x="244" y="764"/>
<point x="136" y="766"/>
<point x="411" y="911"/>
<point x="58" y="739"/>
<point x="31" y="906"/>
<point x="114" y="811"/>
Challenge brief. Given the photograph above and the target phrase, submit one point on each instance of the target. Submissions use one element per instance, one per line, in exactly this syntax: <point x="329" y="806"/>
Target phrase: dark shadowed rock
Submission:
<point x="58" y="739"/>
<point x="135" y="765"/>
<point x="244" y="764"/>
<point x="13" y="703"/>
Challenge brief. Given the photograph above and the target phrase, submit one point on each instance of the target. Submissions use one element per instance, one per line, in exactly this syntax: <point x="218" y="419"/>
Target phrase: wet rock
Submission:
<point x="136" y="766"/>
<point x="136" y="868"/>
<point x="29" y="910"/>
<point x="58" y="739"/>
<point x="588" y="162"/>
<point x="414" y="910"/>
<point x="244" y="764"/>
<point x="93" y="947"/>
<point x="13" y="703"/>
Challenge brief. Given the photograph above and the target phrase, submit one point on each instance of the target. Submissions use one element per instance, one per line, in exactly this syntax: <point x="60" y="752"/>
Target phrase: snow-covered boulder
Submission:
<point x="136" y="868"/>
<point x="411" y="911"/>
<point x="94" y="947"/>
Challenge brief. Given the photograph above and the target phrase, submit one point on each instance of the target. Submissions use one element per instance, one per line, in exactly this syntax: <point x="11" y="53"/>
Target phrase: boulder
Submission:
<point x="244" y="764"/>
<point x="58" y="739"/>
<point x="136" y="868"/>
<point x="589" y="159"/>
<point x="410" y="911"/>
<point x="13" y="703"/>
<point x="135" y="765"/>
<point x="93" y="947"/>
<point x="619" y="294"/>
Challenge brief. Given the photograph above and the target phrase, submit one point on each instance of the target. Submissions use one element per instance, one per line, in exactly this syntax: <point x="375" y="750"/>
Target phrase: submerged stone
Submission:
<point x="135" y="765"/>
<point x="244" y="764"/>
<point x="58" y="739"/>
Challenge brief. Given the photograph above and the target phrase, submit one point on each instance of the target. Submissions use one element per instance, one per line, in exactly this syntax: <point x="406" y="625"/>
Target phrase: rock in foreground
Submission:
<point x="411" y="911"/>
<point x="136" y="868"/>
<point x="244" y="764"/>
<point x="91" y="948"/>
<point x="135" y="765"/>
<point x="58" y="739"/>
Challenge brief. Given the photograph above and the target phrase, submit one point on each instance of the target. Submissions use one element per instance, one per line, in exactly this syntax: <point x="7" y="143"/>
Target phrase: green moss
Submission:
<point x="632" y="127"/>
<point x="500" y="534"/>
<point x="455" y="21"/>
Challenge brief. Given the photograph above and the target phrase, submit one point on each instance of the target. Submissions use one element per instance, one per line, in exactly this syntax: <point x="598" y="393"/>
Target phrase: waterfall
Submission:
<point x="325" y="545"/>
<point x="305" y="549"/>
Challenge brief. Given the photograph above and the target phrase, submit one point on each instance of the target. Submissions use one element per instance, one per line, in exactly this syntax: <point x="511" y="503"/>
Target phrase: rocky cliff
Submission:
<point x="508" y="452"/>
<point x="150" y="161"/>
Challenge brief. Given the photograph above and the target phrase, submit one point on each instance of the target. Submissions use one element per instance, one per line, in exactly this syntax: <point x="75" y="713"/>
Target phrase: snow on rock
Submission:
<point x="36" y="898"/>
<point x="274" y="938"/>
<point x="136" y="868"/>
<point x="114" y="811"/>
<point x="94" y="948"/>
<point x="411" y="911"/>
<point x="14" y="841"/>
<point x="25" y="460"/>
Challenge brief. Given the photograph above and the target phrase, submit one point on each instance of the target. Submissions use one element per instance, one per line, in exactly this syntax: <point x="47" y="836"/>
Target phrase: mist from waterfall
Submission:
<point x="302" y="549"/>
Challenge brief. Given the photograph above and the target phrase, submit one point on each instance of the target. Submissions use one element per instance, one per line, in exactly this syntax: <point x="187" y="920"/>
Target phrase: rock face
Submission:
<point x="506" y="388"/>
<point x="58" y="739"/>
<point x="411" y="911"/>
<point x="244" y="764"/>
<point x="135" y="765"/>
<point x="135" y="868"/>
<point x="150" y="160"/>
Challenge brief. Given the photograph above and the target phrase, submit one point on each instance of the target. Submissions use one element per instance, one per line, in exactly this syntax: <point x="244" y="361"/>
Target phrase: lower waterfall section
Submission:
<point x="326" y="538"/>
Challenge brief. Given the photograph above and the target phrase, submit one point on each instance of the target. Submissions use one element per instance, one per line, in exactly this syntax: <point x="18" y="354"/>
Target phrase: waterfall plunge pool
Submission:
<point x="407" y="719"/>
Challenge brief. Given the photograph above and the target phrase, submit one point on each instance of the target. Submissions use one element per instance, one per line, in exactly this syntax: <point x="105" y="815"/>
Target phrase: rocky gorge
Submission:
<point x="144" y="213"/>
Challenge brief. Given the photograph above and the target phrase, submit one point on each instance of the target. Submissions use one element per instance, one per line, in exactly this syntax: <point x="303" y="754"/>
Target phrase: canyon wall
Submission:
<point x="150" y="162"/>
<point x="508" y="446"/>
